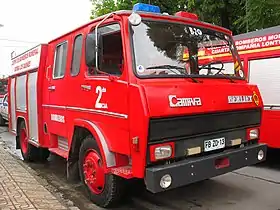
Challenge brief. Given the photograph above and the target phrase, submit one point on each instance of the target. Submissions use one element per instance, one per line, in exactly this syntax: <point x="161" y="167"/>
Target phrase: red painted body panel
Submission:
<point x="269" y="129"/>
<point x="270" y="118"/>
<point x="213" y="93"/>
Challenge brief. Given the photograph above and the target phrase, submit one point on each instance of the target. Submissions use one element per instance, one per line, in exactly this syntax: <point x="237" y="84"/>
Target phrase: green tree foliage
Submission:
<point x="101" y="7"/>
<point x="224" y="13"/>
<point x="236" y="15"/>
<point x="260" y="14"/>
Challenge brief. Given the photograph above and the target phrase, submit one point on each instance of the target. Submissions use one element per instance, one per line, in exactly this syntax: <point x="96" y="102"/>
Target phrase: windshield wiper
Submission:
<point x="209" y="67"/>
<point x="228" y="77"/>
<point x="225" y="75"/>
<point x="171" y="67"/>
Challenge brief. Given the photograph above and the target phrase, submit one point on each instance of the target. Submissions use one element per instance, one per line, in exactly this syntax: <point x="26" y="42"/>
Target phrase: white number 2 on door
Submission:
<point x="100" y="90"/>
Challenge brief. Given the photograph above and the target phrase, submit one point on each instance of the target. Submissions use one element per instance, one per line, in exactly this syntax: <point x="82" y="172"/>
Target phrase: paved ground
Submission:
<point x="20" y="190"/>
<point x="251" y="188"/>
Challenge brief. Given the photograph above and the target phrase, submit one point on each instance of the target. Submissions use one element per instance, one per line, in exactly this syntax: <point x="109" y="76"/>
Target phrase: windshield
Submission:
<point x="162" y="49"/>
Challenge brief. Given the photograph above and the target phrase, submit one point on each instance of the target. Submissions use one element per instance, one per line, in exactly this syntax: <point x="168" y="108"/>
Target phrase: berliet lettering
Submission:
<point x="58" y="118"/>
<point x="179" y="102"/>
<point x="239" y="99"/>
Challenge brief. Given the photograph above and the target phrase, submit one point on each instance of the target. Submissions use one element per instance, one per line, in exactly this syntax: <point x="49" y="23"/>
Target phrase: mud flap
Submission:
<point x="73" y="170"/>
<point x="17" y="142"/>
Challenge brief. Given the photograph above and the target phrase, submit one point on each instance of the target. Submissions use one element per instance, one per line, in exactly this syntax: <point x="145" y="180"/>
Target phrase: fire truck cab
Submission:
<point x="136" y="95"/>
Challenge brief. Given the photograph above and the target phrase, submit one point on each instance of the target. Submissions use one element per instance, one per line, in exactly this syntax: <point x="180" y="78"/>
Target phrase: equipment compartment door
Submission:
<point x="13" y="122"/>
<point x="32" y="107"/>
<point x="265" y="73"/>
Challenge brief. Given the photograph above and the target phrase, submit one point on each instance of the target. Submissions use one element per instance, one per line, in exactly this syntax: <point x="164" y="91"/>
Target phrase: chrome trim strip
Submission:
<point x="113" y="114"/>
<point x="54" y="106"/>
<point x="22" y="111"/>
<point x="96" y="111"/>
<point x="272" y="107"/>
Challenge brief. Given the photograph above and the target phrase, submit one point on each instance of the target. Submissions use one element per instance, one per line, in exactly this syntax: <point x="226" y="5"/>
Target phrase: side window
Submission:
<point x="112" y="51"/>
<point x="60" y="60"/>
<point x="76" y="56"/>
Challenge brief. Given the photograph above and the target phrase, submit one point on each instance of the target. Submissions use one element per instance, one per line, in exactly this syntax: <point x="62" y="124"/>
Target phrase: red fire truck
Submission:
<point x="137" y="95"/>
<point x="260" y="53"/>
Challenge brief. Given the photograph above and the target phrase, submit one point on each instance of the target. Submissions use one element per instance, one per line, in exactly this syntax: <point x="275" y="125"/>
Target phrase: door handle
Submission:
<point x="51" y="88"/>
<point x="86" y="87"/>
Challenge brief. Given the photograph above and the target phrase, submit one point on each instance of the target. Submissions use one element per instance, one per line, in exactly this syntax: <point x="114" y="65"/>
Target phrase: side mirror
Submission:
<point x="100" y="50"/>
<point x="90" y="49"/>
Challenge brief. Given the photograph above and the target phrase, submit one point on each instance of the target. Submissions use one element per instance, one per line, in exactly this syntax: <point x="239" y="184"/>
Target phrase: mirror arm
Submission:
<point x="96" y="40"/>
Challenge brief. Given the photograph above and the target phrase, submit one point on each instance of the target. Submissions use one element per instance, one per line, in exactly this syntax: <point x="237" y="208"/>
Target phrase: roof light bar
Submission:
<point x="146" y="8"/>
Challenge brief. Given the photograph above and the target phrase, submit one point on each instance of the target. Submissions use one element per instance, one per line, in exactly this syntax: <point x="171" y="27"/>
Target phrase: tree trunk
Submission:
<point x="225" y="15"/>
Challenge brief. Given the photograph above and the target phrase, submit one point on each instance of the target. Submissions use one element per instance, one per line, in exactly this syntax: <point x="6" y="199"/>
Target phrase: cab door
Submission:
<point x="57" y="89"/>
<point x="104" y="95"/>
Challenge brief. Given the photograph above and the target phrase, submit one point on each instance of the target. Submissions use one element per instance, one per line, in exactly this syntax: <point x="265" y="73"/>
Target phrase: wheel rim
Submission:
<point x="23" y="140"/>
<point x="94" y="172"/>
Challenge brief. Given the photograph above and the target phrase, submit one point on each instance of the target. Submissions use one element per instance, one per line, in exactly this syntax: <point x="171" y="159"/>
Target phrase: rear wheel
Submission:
<point x="2" y="120"/>
<point x="28" y="151"/>
<point x="105" y="190"/>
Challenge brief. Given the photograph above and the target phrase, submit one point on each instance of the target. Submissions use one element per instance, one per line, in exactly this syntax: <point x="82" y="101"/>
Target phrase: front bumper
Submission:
<point x="196" y="169"/>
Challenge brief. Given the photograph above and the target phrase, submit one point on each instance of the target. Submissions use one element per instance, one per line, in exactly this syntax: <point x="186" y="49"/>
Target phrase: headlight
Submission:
<point x="163" y="152"/>
<point x="165" y="181"/>
<point x="254" y="134"/>
<point x="260" y="155"/>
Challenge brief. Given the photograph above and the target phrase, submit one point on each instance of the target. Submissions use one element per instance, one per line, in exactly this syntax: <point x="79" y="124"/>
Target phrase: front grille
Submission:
<point x="192" y="125"/>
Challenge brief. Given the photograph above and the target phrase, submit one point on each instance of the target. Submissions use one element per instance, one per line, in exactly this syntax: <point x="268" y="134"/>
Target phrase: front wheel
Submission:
<point x="105" y="190"/>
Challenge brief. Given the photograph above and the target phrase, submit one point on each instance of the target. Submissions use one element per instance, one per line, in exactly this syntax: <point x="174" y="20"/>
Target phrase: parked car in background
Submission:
<point x="3" y="87"/>
<point x="4" y="110"/>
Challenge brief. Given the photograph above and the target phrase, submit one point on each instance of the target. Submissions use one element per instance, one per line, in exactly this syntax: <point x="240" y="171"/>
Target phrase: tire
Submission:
<point x="29" y="152"/>
<point x="2" y="121"/>
<point x="105" y="190"/>
<point x="43" y="154"/>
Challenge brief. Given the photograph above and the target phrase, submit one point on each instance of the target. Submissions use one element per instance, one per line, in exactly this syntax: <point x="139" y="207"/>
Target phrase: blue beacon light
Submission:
<point x="146" y="8"/>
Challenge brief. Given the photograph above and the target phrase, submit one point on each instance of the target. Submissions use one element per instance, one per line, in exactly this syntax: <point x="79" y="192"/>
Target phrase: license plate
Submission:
<point x="214" y="144"/>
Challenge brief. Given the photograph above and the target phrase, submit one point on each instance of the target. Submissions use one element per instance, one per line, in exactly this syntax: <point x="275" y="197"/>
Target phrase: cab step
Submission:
<point x="60" y="152"/>
<point x="123" y="171"/>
